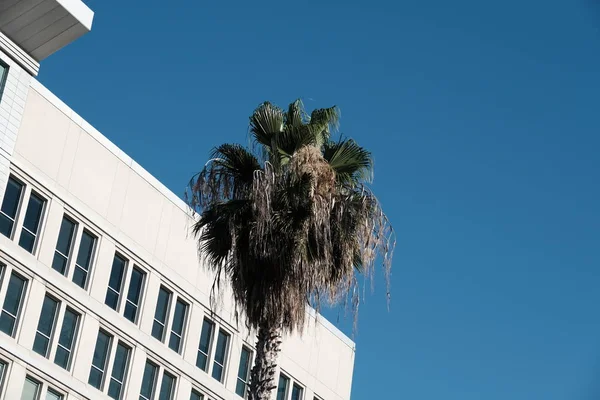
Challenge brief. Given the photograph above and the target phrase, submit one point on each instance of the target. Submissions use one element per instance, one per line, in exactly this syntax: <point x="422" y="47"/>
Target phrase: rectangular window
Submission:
<point x="196" y="395"/>
<point x="243" y="372"/>
<point x="99" y="360"/>
<point x="3" y="75"/>
<point x="63" y="245"/>
<point x="160" y="315"/>
<point x="297" y="392"/>
<point x="282" y="387"/>
<point x="3" y="367"/>
<point x="115" y="282"/>
<point x="134" y="293"/>
<point x="204" y="346"/>
<point x="167" y="387"/>
<point x="220" y="356"/>
<point x="149" y="381"/>
<point x="66" y="339"/>
<point x="53" y="395"/>
<point x="31" y="224"/>
<point x="12" y="304"/>
<point x="10" y="206"/>
<point x="31" y="389"/>
<point x="84" y="259"/>
<point x="177" y="326"/>
<point x="117" y="378"/>
<point x="45" y="327"/>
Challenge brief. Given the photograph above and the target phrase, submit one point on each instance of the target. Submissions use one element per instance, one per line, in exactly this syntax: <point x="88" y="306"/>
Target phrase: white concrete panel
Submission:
<point x="93" y="174"/>
<point x="118" y="194"/>
<point x="68" y="155"/>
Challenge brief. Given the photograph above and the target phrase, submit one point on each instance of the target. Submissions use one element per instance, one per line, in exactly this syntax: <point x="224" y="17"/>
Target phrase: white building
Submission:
<point x="101" y="293"/>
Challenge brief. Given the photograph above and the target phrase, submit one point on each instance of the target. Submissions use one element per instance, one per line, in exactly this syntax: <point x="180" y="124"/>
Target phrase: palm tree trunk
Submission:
<point x="262" y="376"/>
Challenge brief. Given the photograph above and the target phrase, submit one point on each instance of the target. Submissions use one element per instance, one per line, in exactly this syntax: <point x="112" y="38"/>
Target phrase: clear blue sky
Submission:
<point x="484" y="121"/>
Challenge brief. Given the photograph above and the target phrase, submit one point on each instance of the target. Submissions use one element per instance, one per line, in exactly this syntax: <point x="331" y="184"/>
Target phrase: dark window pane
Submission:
<point x="201" y="361"/>
<point x="157" y="330"/>
<point x="174" y="342"/>
<point x="12" y="303"/>
<point x="240" y="388"/>
<point x="177" y="325"/>
<point x="130" y="312"/>
<point x="59" y="262"/>
<point x="66" y="338"/>
<point x="205" y="336"/>
<point x="12" y="196"/>
<point x="7" y="323"/>
<point x="296" y="392"/>
<point x="149" y="381"/>
<point x="166" y="387"/>
<point x="135" y="286"/>
<point x="217" y="372"/>
<point x="160" y="314"/>
<point x="115" y="282"/>
<point x="99" y="359"/>
<point x="196" y="396"/>
<point x="221" y="347"/>
<point x="27" y="240"/>
<point x="45" y="325"/>
<point x="40" y="345"/>
<point x="6" y="225"/>
<point x="65" y="236"/>
<point x="282" y="387"/>
<point x="62" y="357"/>
<point x="114" y="389"/>
<point x="120" y="364"/>
<point x="86" y="250"/>
<point x="79" y="277"/>
<point x="34" y="213"/>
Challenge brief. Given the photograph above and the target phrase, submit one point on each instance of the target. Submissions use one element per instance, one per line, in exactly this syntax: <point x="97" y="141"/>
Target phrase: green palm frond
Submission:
<point x="323" y="121"/>
<point x="266" y="121"/>
<point x="350" y="161"/>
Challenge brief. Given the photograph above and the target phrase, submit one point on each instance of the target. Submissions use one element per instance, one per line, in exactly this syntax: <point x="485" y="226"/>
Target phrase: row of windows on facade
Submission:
<point x="33" y="388"/>
<point x="121" y="276"/>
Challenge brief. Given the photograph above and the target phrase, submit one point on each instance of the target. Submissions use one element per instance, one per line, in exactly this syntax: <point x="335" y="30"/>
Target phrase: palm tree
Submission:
<point x="289" y="223"/>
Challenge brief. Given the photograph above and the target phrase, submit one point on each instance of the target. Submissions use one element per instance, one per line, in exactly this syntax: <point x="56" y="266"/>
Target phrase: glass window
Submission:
<point x="167" y="387"/>
<point x="3" y="367"/>
<point x="196" y="395"/>
<point x="297" y="392"/>
<point x="282" y="387"/>
<point x="45" y="327"/>
<point x="12" y="304"/>
<point x="115" y="282"/>
<point x="66" y="339"/>
<point x="10" y="206"/>
<point x="148" y="381"/>
<point x="177" y="325"/>
<point x="220" y="353"/>
<point x="160" y="315"/>
<point x="3" y="75"/>
<point x="31" y="224"/>
<point x="243" y="371"/>
<point x="117" y="378"/>
<point x="84" y="259"/>
<point x="63" y="245"/>
<point x="31" y="390"/>
<point x="99" y="360"/>
<point x="53" y="395"/>
<point x="204" y="346"/>
<point x="136" y="283"/>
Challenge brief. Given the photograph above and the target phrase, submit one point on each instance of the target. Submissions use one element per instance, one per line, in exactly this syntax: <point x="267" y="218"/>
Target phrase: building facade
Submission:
<point x="102" y="295"/>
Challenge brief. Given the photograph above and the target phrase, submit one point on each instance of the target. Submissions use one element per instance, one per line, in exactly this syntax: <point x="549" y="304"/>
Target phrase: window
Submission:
<point x="10" y="206"/>
<point x="243" y="372"/>
<point x="196" y="395"/>
<point x="121" y="276"/>
<point x="160" y="315"/>
<point x="204" y="346"/>
<point x="297" y="392"/>
<point x="282" y="387"/>
<point x="149" y="381"/>
<point x="179" y="318"/>
<point x="69" y="238"/>
<point x="31" y="223"/>
<point x="55" y="313"/>
<point x="45" y="327"/>
<point x="3" y="75"/>
<point x="153" y="374"/>
<point x="118" y="372"/>
<point x="110" y="353"/>
<point x="3" y="368"/>
<point x="63" y="245"/>
<point x="220" y="356"/>
<point x="13" y="301"/>
<point x="167" y="387"/>
<point x="36" y="390"/>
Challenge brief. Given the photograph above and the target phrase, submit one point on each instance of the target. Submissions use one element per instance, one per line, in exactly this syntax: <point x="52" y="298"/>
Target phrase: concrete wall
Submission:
<point x="81" y="173"/>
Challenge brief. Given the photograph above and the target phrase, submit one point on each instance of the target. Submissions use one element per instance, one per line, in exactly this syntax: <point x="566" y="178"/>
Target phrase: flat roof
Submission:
<point x="42" y="27"/>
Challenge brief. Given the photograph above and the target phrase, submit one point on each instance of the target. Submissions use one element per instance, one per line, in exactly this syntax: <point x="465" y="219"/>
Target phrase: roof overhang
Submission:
<point x="41" y="27"/>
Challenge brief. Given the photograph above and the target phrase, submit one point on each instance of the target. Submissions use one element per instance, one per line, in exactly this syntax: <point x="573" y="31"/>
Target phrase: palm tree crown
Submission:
<point x="291" y="220"/>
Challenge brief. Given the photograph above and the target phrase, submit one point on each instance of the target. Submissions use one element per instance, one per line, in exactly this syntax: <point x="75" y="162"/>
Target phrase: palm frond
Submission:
<point x="351" y="162"/>
<point x="265" y="122"/>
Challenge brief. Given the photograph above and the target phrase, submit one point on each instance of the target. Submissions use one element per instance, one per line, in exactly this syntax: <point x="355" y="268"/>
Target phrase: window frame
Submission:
<point x="248" y="369"/>
<point x="158" y="379"/>
<point x="6" y="271"/>
<point x="44" y="386"/>
<point x="59" y="319"/>
<point x="174" y="298"/>
<point x="3" y="77"/>
<point x="291" y="383"/>
<point x="115" y="339"/>
<point x="14" y="219"/>
<point x="218" y="327"/>
<point x="81" y="225"/>
<point x="131" y="264"/>
<point x="28" y="188"/>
